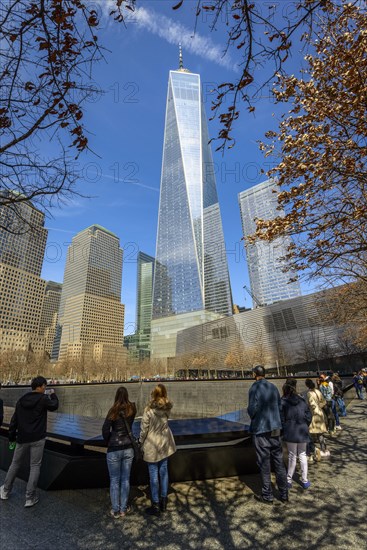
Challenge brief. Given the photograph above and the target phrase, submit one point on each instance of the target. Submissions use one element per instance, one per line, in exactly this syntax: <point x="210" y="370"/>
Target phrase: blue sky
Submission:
<point x="126" y="126"/>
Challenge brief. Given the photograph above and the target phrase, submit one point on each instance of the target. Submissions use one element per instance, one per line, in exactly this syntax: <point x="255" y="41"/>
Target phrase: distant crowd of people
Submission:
<point x="300" y="420"/>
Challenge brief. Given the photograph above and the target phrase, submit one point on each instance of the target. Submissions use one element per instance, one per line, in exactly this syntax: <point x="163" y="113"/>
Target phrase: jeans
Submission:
<point x="335" y="412"/>
<point x="310" y="450"/>
<point x="35" y="450"/>
<point x="319" y="438"/>
<point x="268" y="447"/>
<point x="330" y="418"/>
<point x="294" y="450"/>
<point x="119" y="466"/>
<point x="359" y="390"/>
<point x="158" y="472"/>
<point x="341" y="405"/>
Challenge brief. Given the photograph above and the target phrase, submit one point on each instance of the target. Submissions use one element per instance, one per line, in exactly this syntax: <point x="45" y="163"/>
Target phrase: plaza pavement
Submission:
<point x="216" y="514"/>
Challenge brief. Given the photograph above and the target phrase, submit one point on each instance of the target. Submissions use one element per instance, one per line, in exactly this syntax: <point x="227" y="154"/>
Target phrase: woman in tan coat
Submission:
<point x="317" y="428"/>
<point x="158" y="444"/>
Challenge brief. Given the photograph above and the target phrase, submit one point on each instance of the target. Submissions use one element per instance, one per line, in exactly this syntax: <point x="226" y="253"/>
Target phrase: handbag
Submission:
<point x="138" y="451"/>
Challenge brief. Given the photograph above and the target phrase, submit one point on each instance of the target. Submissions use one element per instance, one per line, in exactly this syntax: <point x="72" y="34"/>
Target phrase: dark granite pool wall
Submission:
<point x="192" y="399"/>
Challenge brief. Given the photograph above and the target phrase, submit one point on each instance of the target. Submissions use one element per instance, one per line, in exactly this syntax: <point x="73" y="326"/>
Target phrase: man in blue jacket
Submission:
<point x="264" y="411"/>
<point x="28" y="428"/>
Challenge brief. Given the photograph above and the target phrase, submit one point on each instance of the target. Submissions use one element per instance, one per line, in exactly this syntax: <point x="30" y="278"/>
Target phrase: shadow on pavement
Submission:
<point x="214" y="514"/>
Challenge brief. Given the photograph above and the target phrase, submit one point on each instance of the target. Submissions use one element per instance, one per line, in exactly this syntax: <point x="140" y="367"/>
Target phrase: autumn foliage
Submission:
<point x="322" y="147"/>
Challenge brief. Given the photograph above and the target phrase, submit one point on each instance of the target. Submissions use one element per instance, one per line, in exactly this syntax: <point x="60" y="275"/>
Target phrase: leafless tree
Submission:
<point x="265" y="37"/>
<point x="48" y="51"/>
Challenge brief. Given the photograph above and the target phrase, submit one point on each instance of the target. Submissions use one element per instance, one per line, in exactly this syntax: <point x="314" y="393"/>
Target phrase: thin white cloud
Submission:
<point x="61" y="230"/>
<point x="131" y="182"/>
<point x="174" y="32"/>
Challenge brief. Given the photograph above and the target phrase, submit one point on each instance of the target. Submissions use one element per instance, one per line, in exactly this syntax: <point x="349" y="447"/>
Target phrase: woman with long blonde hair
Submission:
<point x="120" y="452"/>
<point x="158" y="444"/>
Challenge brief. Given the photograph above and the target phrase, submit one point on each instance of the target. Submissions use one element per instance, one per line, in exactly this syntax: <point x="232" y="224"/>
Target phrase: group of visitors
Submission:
<point x="301" y="420"/>
<point x="157" y="444"/>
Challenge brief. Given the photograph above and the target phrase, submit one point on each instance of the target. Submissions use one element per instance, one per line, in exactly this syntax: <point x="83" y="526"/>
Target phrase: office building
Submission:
<point x="22" y="237"/>
<point x="295" y="331"/>
<point x="269" y="283"/>
<point x="91" y="316"/>
<point x="191" y="273"/>
<point x="22" y="246"/>
<point x="50" y="308"/>
<point x="144" y="300"/>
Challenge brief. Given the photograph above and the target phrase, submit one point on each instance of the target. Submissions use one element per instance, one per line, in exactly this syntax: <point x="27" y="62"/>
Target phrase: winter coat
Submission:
<point x="338" y="388"/>
<point x="1" y="411"/>
<point x="296" y="418"/>
<point x="29" y="421"/>
<point x="316" y="403"/>
<point x="115" y="434"/>
<point x="264" y="407"/>
<point x="156" y="436"/>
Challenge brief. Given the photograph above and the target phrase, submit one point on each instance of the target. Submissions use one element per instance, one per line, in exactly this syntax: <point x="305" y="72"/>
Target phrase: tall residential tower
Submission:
<point x="268" y="282"/>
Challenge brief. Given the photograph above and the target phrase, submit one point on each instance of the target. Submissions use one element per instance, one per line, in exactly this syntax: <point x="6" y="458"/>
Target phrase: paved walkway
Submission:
<point x="217" y="514"/>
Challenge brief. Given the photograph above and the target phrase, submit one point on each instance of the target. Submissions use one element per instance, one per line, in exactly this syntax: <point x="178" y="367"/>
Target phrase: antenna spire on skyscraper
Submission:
<point x="181" y="65"/>
<point x="180" y="57"/>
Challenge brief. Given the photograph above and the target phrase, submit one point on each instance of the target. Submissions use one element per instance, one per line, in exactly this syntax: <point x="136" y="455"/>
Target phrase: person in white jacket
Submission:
<point x="158" y="444"/>
<point x="318" y="427"/>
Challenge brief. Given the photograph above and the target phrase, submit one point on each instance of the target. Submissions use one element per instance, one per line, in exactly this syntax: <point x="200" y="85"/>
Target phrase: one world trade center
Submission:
<point x="191" y="272"/>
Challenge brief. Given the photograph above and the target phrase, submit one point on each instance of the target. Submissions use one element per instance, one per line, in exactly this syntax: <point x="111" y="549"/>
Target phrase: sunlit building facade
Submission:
<point x="269" y="283"/>
<point x="91" y="316"/>
<point x="22" y="247"/>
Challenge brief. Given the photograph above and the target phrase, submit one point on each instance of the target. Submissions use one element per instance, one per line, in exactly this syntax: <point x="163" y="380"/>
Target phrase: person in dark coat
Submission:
<point x="28" y="427"/>
<point x="120" y="452"/>
<point x="296" y="418"/>
<point x="264" y="411"/>
<point x="358" y="384"/>
<point x="1" y="410"/>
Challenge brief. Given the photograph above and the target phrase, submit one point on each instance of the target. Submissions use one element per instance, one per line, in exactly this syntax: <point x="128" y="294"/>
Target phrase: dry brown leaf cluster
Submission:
<point x="322" y="146"/>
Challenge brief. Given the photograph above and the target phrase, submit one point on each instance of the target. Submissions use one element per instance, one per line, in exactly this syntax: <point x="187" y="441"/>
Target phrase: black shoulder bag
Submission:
<point x="138" y="451"/>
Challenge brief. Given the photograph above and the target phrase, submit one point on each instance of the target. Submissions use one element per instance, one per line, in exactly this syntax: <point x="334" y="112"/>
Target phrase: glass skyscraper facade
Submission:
<point x="144" y="303"/>
<point x="268" y="282"/>
<point x="191" y="272"/>
<point x="50" y="308"/>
